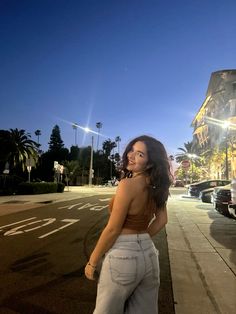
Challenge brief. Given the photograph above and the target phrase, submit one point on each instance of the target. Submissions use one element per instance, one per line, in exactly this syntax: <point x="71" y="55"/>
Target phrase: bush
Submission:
<point x="60" y="187"/>
<point x="40" y="187"/>
<point x="9" y="184"/>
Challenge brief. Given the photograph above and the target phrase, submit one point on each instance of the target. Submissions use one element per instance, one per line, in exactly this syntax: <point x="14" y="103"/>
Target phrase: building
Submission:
<point x="215" y="123"/>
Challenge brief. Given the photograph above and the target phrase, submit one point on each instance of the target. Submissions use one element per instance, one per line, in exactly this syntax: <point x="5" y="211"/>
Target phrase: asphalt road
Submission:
<point x="43" y="253"/>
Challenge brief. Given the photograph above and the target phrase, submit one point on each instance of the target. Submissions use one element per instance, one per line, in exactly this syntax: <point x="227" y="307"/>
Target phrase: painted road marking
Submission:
<point x="15" y="223"/>
<point x="69" y="206"/>
<point x="98" y="207"/>
<point x="87" y="205"/>
<point x="47" y="221"/>
<point x="71" y="221"/>
<point x="15" y="231"/>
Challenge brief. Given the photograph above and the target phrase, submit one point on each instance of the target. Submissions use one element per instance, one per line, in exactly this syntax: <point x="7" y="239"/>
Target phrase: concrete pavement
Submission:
<point x="201" y="245"/>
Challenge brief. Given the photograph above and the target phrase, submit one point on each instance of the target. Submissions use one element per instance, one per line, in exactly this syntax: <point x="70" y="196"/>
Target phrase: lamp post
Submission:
<point x="91" y="165"/>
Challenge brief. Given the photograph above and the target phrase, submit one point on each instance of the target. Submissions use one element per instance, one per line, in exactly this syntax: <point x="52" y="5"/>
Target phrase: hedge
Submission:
<point x="40" y="187"/>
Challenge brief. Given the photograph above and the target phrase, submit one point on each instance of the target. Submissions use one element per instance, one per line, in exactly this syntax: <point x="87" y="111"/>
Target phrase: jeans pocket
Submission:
<point x="123" y="269"/>
<point x="154" y="257"/>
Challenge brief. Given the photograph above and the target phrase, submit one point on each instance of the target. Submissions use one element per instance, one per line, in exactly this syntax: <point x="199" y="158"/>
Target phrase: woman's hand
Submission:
<point x="90" y="271"/>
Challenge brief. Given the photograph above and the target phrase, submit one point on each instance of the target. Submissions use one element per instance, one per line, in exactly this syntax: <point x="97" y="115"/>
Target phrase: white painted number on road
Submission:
<point x="70" y="222"/>
<point x="90" y="206"/>
<point x="98" y="207"/>
<point x="104" y="199"/>
<point x="46" y="221"/>
<point x="15" y="231"/>
<point x="70" y="206"/>
<point x="15" y="223"/>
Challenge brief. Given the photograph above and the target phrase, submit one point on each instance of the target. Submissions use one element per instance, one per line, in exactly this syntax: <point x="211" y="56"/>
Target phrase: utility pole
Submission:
<point x="91" y="165"/>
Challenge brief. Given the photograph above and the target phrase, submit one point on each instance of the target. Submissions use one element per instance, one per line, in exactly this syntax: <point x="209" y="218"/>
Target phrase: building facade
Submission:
<point x="215" y="124"/>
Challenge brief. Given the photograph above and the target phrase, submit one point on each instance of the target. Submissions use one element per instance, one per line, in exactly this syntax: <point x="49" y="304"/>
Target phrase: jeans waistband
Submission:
<point x="133" y="237"/>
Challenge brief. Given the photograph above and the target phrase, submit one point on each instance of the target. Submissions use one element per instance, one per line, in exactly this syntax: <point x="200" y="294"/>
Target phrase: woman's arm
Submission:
<point x="158" y="223"/>
<point x="113" y="228"/>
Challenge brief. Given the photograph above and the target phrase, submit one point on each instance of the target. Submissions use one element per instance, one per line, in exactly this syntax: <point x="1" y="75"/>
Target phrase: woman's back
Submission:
<point x="139" y="194"/>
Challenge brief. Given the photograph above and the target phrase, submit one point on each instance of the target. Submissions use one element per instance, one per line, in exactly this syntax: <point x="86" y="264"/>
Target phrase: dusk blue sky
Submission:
<point x="137" y="66"/>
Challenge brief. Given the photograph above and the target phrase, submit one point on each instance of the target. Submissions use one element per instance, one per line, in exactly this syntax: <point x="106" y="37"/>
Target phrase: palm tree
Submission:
<point x="98" y="126"/>
<point x="189" y="149"/>
<point x="75" y="127"/>
<point x="189" y="152"/>
<point x="38" y="133"/>
<point x="108" y="146"/>
<point x="22" y="148"/>
<point x="118" y="140"/>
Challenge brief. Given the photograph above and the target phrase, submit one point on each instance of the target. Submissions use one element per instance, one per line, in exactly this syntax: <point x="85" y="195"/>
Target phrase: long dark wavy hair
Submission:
<point x="158" y="170"/>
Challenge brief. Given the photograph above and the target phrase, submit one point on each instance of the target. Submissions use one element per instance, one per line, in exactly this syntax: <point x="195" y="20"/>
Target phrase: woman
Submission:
<point x="129" y="277"/>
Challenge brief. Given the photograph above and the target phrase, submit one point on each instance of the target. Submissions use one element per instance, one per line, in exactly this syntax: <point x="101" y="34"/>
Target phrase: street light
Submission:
<point x="87" y="130"/>
<point x="91" y="165"/>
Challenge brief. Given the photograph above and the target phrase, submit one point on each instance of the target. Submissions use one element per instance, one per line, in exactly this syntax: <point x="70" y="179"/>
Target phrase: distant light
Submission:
<point x="226" y="124"/>
<point x="87" y="130"/>
<point x="193" y="156"/>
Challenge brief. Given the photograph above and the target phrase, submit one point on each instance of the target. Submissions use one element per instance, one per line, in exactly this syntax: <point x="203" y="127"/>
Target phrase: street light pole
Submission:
<point x="91" y="165"/>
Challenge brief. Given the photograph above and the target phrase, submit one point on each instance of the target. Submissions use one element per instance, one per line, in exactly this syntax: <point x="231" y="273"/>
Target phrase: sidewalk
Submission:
<point x="201" y="245"/>
<point x="202" y="253"/>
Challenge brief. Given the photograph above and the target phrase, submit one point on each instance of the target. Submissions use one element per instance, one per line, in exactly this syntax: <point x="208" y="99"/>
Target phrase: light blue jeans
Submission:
<point x="130" y="277"/>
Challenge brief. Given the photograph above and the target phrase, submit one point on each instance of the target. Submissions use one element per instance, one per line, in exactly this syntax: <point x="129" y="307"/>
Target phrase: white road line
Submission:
<point x="15" y="223"/>
<point x="70" y="207"/>
<point x="98" y="207"/>
<point x="71" y="221"/>
<point x="87" y="205"/>
<point x="16" y="230"/>
<point x="104" y="199"/>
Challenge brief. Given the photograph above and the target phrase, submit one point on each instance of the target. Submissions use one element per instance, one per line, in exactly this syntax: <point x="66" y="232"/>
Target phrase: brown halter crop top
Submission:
<point x="137" y="222"/>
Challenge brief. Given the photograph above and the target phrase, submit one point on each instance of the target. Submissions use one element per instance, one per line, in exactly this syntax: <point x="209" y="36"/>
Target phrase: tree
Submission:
<point x="22" y="148"/>
<point x="189" y="148"/>
<point x="190" y="152"/>
<point x="38" y="133"/>
<point x="74" y="153"/>
<point x="98" y="126"/>
<point x="6" y="148"/>
<point x="56" y="143"/>
<point x="75" y="128"/>
<point x="118" y="140"/>
<point x="72" y="170"/>
<point x="108" y="146"/>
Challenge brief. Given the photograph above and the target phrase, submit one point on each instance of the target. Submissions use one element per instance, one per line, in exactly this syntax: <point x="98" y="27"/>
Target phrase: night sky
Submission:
<point x="139" y="67"/>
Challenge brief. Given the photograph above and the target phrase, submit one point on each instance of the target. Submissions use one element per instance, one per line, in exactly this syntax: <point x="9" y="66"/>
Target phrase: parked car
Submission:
<point x="178" y="183"/>
<point x="194" y="189"/>
<point x="221" y="199"/>
<point x="232" y="207"/>
<point x="205" y="195"/>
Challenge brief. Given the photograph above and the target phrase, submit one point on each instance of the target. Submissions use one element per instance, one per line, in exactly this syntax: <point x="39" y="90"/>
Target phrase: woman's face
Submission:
<point x="137" y="157"/>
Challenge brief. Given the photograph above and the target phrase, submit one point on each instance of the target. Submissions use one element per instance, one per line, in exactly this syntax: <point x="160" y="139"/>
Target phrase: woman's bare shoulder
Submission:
<point x="130" y="185"/>
<point x="124" y="183"/>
